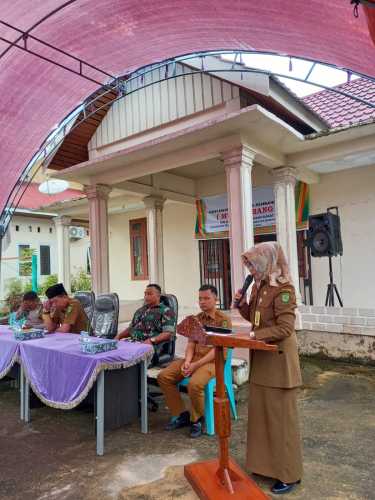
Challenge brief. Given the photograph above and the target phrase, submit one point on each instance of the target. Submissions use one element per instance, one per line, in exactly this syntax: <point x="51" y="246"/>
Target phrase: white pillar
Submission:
<point x="154" y="209"/>
<point x="238" y="164"/>
<point x="97" y="196"/>
<point x="286" y="228"/>
<point x="62" y="224"/>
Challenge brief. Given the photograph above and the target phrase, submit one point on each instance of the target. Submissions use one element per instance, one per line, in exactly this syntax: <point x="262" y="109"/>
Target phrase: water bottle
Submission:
<point x="84" y="336"/>
<point x="12" y="319"/>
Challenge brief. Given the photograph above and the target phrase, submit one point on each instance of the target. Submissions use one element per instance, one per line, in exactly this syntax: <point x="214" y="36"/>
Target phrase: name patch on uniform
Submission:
<point x="257" y="318"/>
<point x="285" y="297"/>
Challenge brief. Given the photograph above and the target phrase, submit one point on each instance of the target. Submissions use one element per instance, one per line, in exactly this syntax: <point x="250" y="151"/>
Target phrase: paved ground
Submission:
<point x="54" y="458"/>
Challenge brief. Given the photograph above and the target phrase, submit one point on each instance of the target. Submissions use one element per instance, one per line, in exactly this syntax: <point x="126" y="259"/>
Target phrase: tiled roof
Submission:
<point x="33" y="199"/>
<point x="339" y="110"/>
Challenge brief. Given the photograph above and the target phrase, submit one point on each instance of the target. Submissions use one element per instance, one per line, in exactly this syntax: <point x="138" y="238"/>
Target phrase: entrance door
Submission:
<point x="215" y="268"/>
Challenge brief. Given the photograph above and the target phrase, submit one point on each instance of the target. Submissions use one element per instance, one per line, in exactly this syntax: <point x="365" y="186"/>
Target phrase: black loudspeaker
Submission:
<point x="324" y="235"/>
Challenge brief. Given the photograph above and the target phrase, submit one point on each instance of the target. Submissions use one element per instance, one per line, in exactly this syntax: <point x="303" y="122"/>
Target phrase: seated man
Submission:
<point x="152" y="323"/>
<point x="198" y="364"/>
<point x="13" y="304"/>
<point x="30" y="310"/>
<point x="62" y="313"/>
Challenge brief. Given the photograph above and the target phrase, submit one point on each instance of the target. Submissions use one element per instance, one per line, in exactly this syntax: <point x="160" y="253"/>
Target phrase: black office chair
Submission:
<point x="105" y="317"/>
<point x="165" y="351"/>
<point x="87" y="300"/>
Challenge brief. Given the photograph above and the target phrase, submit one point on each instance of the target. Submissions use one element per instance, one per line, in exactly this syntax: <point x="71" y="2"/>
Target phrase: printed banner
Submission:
<point x="212" y="212"/>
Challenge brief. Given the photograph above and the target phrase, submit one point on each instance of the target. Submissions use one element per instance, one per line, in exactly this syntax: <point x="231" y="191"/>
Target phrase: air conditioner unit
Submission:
<point x="76" y="233"/>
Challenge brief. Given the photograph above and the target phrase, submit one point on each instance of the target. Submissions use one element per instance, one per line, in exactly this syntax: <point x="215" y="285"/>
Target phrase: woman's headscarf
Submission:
<point x="269" y="261"/>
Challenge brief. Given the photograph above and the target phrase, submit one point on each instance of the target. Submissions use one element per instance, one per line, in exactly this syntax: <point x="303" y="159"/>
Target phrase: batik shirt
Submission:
<point x="32" y="318"/>
<point x="151" y="321"/>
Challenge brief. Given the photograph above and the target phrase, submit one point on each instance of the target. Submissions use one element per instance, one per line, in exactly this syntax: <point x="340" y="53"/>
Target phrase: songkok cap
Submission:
<point x="55" y="290"/>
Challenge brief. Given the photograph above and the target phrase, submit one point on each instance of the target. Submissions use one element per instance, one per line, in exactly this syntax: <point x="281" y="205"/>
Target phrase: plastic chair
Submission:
<point x="209" y="394"/>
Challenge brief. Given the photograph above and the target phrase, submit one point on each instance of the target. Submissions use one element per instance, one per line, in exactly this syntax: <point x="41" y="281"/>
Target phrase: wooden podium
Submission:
<point x="222" y="478"/>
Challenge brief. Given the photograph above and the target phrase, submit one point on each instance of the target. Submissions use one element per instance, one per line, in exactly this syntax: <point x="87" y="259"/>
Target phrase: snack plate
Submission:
<point x="95" y="345"/>
<point x="31" y="334"/>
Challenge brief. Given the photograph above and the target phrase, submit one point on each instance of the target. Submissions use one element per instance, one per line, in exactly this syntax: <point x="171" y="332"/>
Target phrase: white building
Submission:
<point x="237" y="143"/>
<point x="32" y="228"/>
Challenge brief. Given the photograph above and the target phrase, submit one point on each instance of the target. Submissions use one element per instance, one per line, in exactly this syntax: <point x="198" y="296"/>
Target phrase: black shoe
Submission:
<point x="196" y="429"/>
<point x="182" y="420"/>
<point x="279" y="488"/>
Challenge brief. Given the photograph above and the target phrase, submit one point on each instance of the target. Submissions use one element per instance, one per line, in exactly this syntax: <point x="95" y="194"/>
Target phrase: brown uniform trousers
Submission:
<point x="169" y="378"/>
<point x="273" y="439"/>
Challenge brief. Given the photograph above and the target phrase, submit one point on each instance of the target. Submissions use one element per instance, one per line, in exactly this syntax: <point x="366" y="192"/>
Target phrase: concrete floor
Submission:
<point x="53" y="458"/>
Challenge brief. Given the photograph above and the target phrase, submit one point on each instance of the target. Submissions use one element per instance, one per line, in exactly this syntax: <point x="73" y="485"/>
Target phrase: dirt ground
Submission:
<point x="53" y="457"/>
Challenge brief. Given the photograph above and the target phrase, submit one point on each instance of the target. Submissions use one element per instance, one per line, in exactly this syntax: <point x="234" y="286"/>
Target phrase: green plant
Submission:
<point x="81" y="282"/>
<point x="47" y="282"/>
<point x="4" y="309"/>
<point x="28" y="287"/>
<point x="13" y="286"/>
<point x="13" y="293"/>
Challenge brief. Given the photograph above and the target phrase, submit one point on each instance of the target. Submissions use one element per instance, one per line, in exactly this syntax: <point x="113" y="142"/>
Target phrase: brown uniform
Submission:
<point x="74" y="315"/>
<point x="171" y="376"/>
<point x="274" y="443"/>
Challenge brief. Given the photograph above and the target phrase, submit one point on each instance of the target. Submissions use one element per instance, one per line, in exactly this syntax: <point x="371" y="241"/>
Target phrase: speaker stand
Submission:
<point x="332" y="288"/>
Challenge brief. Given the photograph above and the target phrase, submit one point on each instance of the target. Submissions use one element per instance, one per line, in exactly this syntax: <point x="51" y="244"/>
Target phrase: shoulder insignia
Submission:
<point x="285" y="297"/>
<point x="224" y="324"/>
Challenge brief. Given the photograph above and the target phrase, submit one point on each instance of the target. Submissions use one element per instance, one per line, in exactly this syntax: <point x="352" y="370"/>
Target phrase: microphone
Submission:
<point x="247" y="283"/>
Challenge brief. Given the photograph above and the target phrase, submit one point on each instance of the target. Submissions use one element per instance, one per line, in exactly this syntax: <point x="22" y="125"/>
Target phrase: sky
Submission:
<point x="324" y="75"/>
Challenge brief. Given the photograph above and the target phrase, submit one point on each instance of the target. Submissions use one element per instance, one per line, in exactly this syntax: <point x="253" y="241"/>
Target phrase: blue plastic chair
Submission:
<point x="209" y="394"/>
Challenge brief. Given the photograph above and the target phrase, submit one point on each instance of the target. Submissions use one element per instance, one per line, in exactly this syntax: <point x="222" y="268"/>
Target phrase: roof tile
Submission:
<point x="33" y="199"/>
<point x="338" y="110"/>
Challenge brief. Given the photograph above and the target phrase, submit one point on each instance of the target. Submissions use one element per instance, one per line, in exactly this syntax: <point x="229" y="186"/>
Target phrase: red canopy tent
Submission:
<point x="369" y="7"/>
<point x="120" y="36"/>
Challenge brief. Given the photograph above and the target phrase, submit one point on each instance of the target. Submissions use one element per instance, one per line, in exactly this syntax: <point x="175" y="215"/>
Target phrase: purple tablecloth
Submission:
<point x="9" y="350"/>
<point x="61" y="375"/>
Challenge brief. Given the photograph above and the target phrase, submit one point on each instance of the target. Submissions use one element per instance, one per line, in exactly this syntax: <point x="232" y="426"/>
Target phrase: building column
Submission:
<point x="154" y="209"/>
<point x="238" y="164"/>
<point x="62" y="224"/>
<point x="97" y="196"/>
<point x="286" y="228"/>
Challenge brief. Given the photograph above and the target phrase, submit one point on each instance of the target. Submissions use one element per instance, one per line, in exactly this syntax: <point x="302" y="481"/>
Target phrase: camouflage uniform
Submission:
<point x="150" y="321"/>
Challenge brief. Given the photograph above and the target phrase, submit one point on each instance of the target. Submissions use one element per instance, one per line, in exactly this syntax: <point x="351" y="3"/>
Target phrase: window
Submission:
<point x="17" y="228"/>
<point x="45" y="260"/>
<point x="50" y="230"/>
<point x="24" y="268"/>
<point x="31" y="229"/>
<point x="138" y="249"/>
<point x="38" y="229"/>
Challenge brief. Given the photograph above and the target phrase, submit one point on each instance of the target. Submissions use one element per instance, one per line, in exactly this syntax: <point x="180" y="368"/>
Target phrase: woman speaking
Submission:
<point x="273" y="443"/>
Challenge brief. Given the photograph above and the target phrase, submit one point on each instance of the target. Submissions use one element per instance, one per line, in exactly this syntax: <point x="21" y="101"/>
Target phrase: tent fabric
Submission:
<point x="119" y="36"/>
